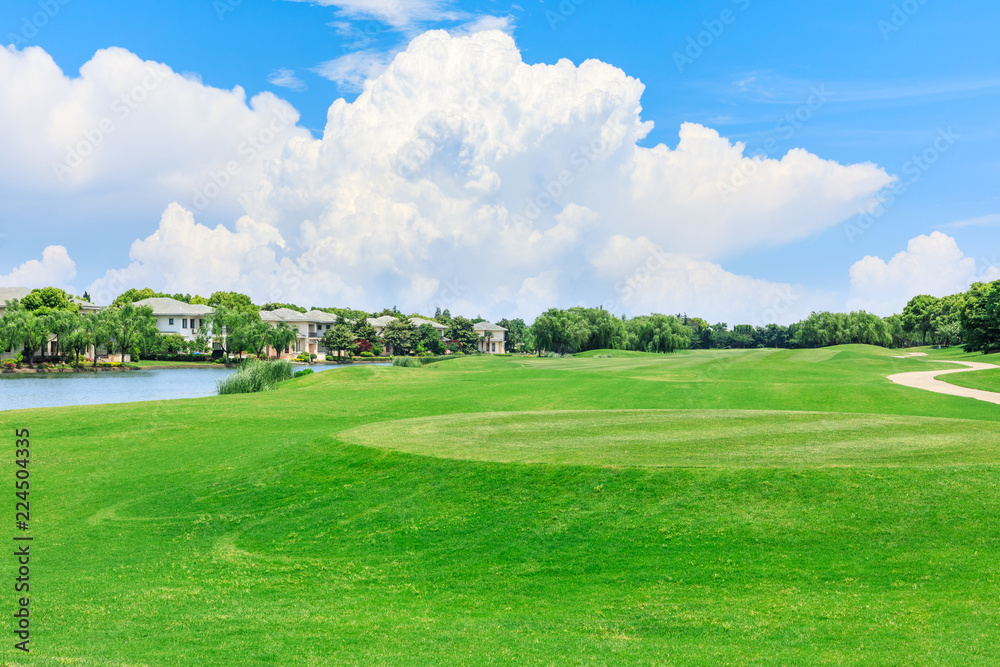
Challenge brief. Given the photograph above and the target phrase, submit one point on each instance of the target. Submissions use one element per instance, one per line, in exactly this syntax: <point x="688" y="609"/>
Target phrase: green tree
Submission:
<point x="338" y="338"/>
<point x="461" y="332"/>
<point x="258" y="333"/>
<point x="281" y="337"/>
<point x="132" y="295"/>
<point x="130" y="328"/>
<point x="401" y="335"/>
<point x="981" y="317"/>
<point x="658" y="333"/>
<point x="80" y="338"/>
<point x="231" y="301"/>
<point x="276" y="306"/>
<point x="430" y="339"/>
<point x="203" y="341"/>
<point x="517" y="331"/>
<point x="22" y="328"/>
<point x="919" y="313"/>
<point x="62" y="323"/>
<point x="48" y="299"/>
<point x="365" y="331"/>
<point x="560" y="331"/>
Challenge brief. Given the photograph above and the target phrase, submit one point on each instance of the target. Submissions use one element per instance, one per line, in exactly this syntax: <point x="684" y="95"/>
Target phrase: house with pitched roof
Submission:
<point x="492" y="338"/>
<point x="309" y="328"/>
<point x="176" y="317"/>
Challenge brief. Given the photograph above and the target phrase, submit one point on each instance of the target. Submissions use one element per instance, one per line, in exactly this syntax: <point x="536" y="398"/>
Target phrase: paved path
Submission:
<point x="925" y="380"/>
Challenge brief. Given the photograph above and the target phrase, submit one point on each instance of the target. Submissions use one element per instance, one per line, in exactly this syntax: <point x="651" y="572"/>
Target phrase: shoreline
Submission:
<point x="173" y="365"/>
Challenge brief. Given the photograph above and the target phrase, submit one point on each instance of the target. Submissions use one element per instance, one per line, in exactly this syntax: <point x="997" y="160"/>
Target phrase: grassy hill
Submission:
<point x="717" y="507"/>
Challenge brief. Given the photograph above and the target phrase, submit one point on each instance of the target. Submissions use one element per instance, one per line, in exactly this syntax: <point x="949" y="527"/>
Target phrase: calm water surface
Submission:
<point x="58" y="389"/>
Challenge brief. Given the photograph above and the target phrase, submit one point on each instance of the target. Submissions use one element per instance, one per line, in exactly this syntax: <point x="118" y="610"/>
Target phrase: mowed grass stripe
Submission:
<point x="683" y="438"/>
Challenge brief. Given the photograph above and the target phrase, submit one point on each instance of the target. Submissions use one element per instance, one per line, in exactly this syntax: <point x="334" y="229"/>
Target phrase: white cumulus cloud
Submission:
<point x="127" y="131"/>
<point x="55" y="268"/>
<point x="932" y="265"/>
<point x="462" y="161"/>
<point x="460" y="177"/>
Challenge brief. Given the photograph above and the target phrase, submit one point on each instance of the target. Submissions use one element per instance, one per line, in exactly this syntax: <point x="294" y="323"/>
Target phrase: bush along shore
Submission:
<point x="255" y="375"/>
<point x="11" y="368"/>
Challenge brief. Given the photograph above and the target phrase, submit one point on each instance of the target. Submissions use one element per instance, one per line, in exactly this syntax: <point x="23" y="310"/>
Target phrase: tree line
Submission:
<point x="971" y="318"/>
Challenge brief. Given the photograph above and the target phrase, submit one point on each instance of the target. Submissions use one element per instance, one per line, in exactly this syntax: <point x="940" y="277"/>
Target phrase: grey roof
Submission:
<point x="11" y="293"/>
<point x="383" y="321"/>
<point x="321" y="316"/>
<point x="419" y="321"/>
<point x="487" y="326"/>
<point x="284" y="315"/>
<point x="162" y="305"/>
<point x="84" y="305"/>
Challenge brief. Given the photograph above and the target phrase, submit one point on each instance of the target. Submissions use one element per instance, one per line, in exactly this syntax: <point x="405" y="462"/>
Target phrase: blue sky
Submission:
<point x="876" y="82"/>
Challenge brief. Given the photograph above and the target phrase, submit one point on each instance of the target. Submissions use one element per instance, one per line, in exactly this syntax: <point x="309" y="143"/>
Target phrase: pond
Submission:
<point x="155" y="384"/>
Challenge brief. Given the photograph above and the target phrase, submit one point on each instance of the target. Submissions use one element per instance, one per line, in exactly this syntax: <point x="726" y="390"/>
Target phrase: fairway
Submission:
<point x="689" y="438"/>
<point x="704" y="508"/>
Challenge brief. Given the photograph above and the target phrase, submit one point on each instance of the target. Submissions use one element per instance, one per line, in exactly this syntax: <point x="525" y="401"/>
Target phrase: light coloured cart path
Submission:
<point x="926" y="380"/>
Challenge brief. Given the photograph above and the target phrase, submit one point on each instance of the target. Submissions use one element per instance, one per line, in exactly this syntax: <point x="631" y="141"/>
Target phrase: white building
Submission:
<point x="176" y="317"/>
<point x="309" y="328"/>
<point x="492" y="338"/>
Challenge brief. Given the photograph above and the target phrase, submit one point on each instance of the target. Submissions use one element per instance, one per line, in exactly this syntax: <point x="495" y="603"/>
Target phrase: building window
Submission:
<point x="184" y="324"/>
<point x="170" y="321"/>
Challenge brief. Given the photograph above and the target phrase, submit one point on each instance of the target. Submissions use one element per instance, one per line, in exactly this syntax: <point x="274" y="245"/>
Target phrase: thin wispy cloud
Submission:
<point x="286" y="78"/>
<point x="399" y="14"/>
<point x="992" y="220"/>
<point x="352" y="70"/>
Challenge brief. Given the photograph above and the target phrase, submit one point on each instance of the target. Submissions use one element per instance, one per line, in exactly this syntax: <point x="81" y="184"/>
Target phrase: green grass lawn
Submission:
<point x="718" y="507"/>
<point x="986" y="380"/>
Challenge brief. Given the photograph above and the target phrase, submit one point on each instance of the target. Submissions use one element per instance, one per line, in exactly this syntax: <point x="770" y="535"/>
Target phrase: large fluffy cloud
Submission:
<point x="460" y="160"/>
<point x="932" y="265"/>
<point x="130" y="130"/>
<point x="55" y="268"/>
<point x="185" y="256"/>
<point x="461" y="176"/>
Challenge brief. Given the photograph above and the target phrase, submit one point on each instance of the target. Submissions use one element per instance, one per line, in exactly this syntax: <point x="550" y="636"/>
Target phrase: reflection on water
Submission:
<point x="57" y="389"/>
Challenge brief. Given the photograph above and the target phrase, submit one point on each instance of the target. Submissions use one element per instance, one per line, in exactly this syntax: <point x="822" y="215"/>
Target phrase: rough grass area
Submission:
<point x="243" y="529"/>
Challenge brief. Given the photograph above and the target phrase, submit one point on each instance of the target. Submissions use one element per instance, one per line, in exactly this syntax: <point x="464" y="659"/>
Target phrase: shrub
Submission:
<point x="255" y="375"/>
<point x="304" y="371"/>
<point x="367" y="355"/>
<point x="312" y="356"/>
<point x="330" y="357"/>
<point x="407" y="362"/>
<point x="9" y="365"/>
<point x="377" y="350"/>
